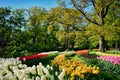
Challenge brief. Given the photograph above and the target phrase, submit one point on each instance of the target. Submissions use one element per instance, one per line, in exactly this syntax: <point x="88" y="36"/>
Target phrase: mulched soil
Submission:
<point x="90" y="56"/>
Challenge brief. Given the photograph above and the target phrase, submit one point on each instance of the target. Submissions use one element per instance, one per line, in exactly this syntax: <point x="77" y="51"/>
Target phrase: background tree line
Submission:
<point x="60" y="28"/>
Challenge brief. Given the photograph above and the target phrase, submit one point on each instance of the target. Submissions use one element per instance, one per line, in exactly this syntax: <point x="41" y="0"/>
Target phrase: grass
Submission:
<point x="92" y="52"/>
<point x="113" y="51"/>
<point x="106" y="53"/>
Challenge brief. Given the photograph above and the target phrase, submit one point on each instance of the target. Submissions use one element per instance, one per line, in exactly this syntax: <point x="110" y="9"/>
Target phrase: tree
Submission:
<point x="96" y="16"/>
<point x="43" y="35"/>
<point x="112" y="20"/>
<point x="68" y="23"/>
<point x="36" y="15"/>
<point x="5" y="29"/>
<point x="93" y="32"/>
<point x="17" y="22"/>
<point x="81" y="39"/>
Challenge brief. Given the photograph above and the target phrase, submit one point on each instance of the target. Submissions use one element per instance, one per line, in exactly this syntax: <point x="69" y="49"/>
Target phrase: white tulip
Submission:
<point x="40" y="64"/>
<point x="56" y="73"/>
<point x="33" y="70"/>
<point x="61" y="76"/>
<point x="52" y="77"/>
<point x="27" y="70"/>
<point x="48" y="66"/>
<point x="43" y="77"/>
<point x="4" y="71"/>
<point x="10" y="76"/>
<point x="26" y="77"/>
<point x="1" y="77"/>
<point x="22" y="66"/>
<point x="40" y="71"/>
<point x="37" y="78"/>
<point x="51" y="68"/>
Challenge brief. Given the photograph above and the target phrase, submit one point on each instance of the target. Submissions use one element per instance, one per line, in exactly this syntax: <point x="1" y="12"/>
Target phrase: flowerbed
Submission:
<point x="106" y="67"/>
<point x="113" y="52"/>
<point x="90" y="56"/>
<point x="74" y="68"/>
<point x="12" y="69"/>
<point x="38" y="55"/>
<point x="65" y="66"/>
<point x="82" y="52"/>
<point x="24" y="58"/>
<point x="106" y="54"/>
<point x="112" y="59"/>
<point x="44" y="58"/>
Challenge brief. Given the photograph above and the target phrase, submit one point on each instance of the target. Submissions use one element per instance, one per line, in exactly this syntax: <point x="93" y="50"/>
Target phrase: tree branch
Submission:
<point x="83" y="13"/>
<point x="102" y="9"/>
<point x="93" y="3"/>
<point x="107" y="7"/>
<point x="68" y="11"/>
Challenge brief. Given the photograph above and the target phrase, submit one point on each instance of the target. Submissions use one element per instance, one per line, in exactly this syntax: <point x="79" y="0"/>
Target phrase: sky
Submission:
<point x="15" y="4"/>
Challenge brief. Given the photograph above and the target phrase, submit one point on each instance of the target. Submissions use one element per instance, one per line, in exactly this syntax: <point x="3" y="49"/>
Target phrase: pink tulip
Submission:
<point x="112" y="59"/>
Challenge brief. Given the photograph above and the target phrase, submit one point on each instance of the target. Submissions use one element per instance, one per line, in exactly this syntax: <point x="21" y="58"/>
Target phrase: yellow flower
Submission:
<point x="73" y="74"/>
<point x="72" y="78"/>
<point x="61" y="67"/>
<point x="81" y="76"/>
<point x="74" y="67"/>
<point x="95" y="71"/>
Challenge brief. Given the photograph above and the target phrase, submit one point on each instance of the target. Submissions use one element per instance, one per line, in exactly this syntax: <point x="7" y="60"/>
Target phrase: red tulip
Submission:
<point x="23" y="58"/>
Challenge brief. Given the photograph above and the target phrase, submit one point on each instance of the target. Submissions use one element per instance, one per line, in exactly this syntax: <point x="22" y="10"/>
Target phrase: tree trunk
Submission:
<point x="101" y="44"/>
<point x="101" y="41"/>
<point x="116" y="44"/>
<point x="34" y="39"/>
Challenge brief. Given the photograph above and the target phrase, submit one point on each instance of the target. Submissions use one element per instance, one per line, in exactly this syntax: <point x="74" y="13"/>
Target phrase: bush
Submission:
<point x="68" y="53"/>
<point x="15" y="54"/>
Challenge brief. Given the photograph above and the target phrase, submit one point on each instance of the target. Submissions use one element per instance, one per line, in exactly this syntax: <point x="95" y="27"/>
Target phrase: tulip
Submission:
<point x="112" y="59"/>
<point x="35" y="56"/>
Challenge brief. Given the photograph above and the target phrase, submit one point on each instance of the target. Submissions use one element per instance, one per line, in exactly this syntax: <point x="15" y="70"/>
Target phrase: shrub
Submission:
<point x="15" y="54"/>
<point x="68" y="53"/>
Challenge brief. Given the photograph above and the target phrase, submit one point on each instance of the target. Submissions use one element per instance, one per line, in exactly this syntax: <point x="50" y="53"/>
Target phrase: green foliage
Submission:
<point x="93" y="40"/>
<point x="68" y="53"/>
<point x="113" y="52"/>
<point x="68" y="21"/>
<point x="15" y="54"/>
<point x="81" y="40"/>
<point x="5" y="28"/>
<point x="20" y="43"/>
